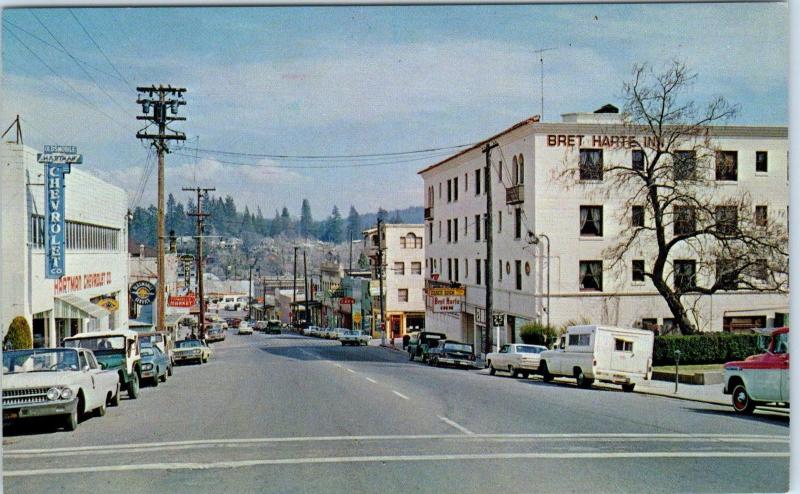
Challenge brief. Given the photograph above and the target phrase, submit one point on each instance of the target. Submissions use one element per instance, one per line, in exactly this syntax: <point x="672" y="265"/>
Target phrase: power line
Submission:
<point x="98" y="47"/>
<point x="332" y="156"/>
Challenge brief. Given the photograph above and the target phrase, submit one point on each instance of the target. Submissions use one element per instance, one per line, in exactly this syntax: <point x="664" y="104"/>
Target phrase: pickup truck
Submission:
<point x="354" y="337"/>
<point x="760" y="379"/>
<point x="117" y="350"/>
<point x="420" y="342"/>
<point x="606" y="353"/>
<point x="66" y="383"/>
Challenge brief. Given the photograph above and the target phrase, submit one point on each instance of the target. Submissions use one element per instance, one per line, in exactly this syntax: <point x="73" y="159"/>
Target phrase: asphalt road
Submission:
<point x="292" y="414"/>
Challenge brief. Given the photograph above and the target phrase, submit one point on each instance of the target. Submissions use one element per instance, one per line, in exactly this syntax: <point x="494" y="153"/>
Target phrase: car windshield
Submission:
<point x="147" y="351"/>
<point x="188" y="344"/>
<point x="97" y="343"/>
<point x="530" y="349"/>
<point x="458" y="347"/>
<point x="40" y="360"/>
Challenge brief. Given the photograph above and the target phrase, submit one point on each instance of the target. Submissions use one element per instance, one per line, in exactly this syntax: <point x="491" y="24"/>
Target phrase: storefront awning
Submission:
<point x="70" y="306"/>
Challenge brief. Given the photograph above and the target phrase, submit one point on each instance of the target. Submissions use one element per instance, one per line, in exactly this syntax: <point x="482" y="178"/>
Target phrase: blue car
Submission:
<point x="155" y="365"/>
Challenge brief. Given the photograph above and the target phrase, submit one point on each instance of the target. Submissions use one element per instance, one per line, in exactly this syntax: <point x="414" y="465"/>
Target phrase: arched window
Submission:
<point x="413" y="241"/>
<point x="521" y="173"/>
<point x="514" y="171"/>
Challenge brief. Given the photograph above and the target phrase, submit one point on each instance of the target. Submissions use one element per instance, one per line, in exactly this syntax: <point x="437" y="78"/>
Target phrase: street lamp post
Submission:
<point x="535" y="239"/>
<point x="250" y="291"/>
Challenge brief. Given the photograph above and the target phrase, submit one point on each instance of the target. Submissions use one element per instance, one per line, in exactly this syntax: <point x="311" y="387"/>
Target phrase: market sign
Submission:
<point x="347" y="301"/>
<point x="109" y="304"/>
<point x="447" y="292"/>
<point x="446" y="304"/>
<point x="58" y="161"/>
<point x="181" y="300"/>
<point x="143" y="293"/>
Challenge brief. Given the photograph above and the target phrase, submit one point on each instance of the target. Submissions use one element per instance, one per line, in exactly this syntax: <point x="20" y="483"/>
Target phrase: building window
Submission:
<point x="466" y="182"/>
<point x="440" y="228"/>
<point x="518" y="273"/>
<point x="727" y="219"/>
<point x="514" y="171"/>
<point x="500" y="171"/>
<point x="430" y="233"/>
<point x="485" y="225"/>
<point x="399" y="268"/>
<point x="477" y="228"/>
<point x="591" y="221"/>
<point x="727" y="165"/>
<point x="500" y="269"/>
<point x="449" y="191"/>
<point x="402" y="242"/>
<point x="760" y="270"/>
<point x="477" y="271"/>
<point x="478" y="182"/>
<point x="727" y="274"/>
<point x="637" y="271"/>
<point x="684" y="165"/>
<point x="486" y="177"/>
<point x="591" y="166"/>
<point x="683" y="220"/>
<point x="499" y="222"/>
<point x="637" y="160"/>
<point x="466" y="269"/>
<point x="761" y="161"/>
<point x="761" y="216"/>
<point x="637" y="216"/>
<point x="455" y="189"/>
<point x="449" y="231"/>
<point x="591" y="276"/>
<point x="440" y="190"/>
<point x="486" y="271"/>
<point x="455" y="267"/>
<point x="521" y="173"/>
<point x="450" y="269"/>
<point x="416" y="268"/>
<point x="455" y="230"/>
<point x="402" y="294"/>
<point x="518" y="223"/>
<point x="685" y="275"/>
<point x="466" y="226"/>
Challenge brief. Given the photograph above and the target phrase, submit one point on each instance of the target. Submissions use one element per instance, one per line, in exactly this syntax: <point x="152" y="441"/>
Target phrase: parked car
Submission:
<point x="155" y="364"/>
<point x="420" y="342"/>
<point x="606" y="353"/>
<point x="162" y="340"/>
<point x="215" y="333"/>
<point x="516" y="359"/>
<point x="760" y="379"/>
<point x="260" y="325"/>
<point x="449" y="352"/>
<point x="355" y="337"/>
<point x="307" y="330"/>
<point x="192" y="350"/>
<point x="233" y="322"/>
<point x="244" y="328"/>
<point x="338" y="333"/>
<point x="117" y="350"/>
<point x="64" y="383"/>
<point x="273" y="327"/>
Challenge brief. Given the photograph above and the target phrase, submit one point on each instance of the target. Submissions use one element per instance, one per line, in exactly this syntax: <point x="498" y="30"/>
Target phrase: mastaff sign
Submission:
<point x="58" y="161"/>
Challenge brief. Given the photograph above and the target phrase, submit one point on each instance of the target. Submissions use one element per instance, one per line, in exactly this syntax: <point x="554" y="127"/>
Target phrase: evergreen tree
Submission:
<point x="353" y="224"/>
<point x="286" y="222"/>
<point x="260" y="222"/>
<point x="382" y="214"/>
<point x="275" y="227"/>
<point x="306" y="222"/>
<point x="396" y="219"/>
<point x="333" y="227"/>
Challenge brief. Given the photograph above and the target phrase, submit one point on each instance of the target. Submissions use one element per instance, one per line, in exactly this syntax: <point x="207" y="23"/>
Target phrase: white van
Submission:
<point x="605" y="353"/>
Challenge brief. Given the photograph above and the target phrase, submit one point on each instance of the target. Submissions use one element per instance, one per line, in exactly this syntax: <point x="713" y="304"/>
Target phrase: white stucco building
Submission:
<point x="96" y="257"/>
<point x="528" y="197"/>
<point x="404" y="279"/>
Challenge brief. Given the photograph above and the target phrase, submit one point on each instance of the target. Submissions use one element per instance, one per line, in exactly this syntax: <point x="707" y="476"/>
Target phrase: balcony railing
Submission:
<point x="515" y="194"/>
<point x="429" y="213"/>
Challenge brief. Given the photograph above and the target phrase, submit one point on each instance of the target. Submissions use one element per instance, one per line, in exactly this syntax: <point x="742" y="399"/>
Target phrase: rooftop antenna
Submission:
<point x="541" y="76"/>
<point x="15" y="124"/>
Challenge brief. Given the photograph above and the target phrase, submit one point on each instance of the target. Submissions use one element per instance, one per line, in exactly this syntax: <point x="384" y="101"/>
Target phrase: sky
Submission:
<point x="333" y="81"/>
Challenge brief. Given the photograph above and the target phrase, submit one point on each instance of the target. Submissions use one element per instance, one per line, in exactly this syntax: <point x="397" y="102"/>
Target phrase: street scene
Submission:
<point x="409" y="248"/>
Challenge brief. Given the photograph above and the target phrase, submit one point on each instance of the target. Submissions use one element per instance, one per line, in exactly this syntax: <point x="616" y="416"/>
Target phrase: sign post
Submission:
<point x="498" y="321"/>
<point x="58" y="161"/>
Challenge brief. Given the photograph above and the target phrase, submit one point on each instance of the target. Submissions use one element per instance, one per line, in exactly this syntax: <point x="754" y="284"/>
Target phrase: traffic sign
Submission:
<point x="357" y="318"/>
<point x="499" y="320"/>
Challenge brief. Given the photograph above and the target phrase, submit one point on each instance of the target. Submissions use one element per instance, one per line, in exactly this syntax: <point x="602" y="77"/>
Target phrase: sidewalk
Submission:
<point x="708" y="393"/>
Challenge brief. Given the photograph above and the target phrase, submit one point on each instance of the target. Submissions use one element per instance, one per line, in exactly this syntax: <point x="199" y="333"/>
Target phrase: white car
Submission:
<point x="244" y="328"/>
<point x="64" y="383"/>
<point x="355" y="337"/>
<point x="337" y="333"/>
<point x="516" y="359"/>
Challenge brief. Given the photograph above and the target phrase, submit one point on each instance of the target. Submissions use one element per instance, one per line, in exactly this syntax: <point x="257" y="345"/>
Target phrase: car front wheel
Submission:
<point x="71" y="420"/>
<point x="546" y="376"/>
<point x="581" y="379"/>
<point x="492" y="370"/>
<point x="133" y="387"/>
<point x="742" y="403"/>
<point x="628" y="387"/>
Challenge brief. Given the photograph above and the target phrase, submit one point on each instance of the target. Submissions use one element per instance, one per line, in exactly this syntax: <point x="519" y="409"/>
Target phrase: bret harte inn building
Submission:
<point x="529" y="200"/>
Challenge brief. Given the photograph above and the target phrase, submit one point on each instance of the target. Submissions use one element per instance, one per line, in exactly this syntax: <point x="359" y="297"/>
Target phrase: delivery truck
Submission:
<point x="604" y="353"/>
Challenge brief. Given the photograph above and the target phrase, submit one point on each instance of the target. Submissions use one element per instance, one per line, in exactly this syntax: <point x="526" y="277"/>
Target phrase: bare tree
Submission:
<point x="701" y="235"/>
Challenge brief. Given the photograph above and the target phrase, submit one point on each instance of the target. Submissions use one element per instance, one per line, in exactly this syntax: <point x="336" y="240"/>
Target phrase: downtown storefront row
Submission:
<point x="92" y="294"/>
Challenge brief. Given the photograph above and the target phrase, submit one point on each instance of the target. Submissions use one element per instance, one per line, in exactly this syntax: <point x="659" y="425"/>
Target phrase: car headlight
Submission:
<point x="147" y="366"/>
<point x="53" y="394"/>
<point x="66" y="393"/>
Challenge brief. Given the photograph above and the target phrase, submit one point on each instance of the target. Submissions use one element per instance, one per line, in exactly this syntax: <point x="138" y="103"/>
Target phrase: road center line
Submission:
<point x="399" y="458"/>
<point x="457" y="426"/>
<point x="401" y="395"/>
<point x="373" y="381"/>
<point x="349" y="370"/>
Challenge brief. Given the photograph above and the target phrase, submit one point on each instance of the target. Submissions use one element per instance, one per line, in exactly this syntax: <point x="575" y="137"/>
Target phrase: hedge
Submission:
<point x="534" y="333"/>
<point x="19" y="334"/>
<point x="709" y="348"/>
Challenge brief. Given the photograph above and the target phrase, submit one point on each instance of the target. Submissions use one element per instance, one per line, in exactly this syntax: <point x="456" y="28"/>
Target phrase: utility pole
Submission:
<point x="380" y="283"/>
<point x="201" y="320"/>
<point x="350" y="270"/>
<point x="294" y="289"/>
<point x="305" y="288"/>
<point x="488" y="176"/>
<point x="164" y="97"/>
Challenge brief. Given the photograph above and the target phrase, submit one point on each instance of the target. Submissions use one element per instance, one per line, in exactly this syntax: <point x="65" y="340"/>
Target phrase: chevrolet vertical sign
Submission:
<point x="57" y="160"/>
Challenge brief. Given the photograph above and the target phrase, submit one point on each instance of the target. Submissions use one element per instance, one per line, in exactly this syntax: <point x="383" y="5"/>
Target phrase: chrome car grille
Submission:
<point x="24" y="396"/>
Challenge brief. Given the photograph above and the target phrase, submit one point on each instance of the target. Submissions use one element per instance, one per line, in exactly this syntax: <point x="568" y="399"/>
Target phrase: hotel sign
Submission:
<point x="57" y="160"/>
<point x="600" y="141"/>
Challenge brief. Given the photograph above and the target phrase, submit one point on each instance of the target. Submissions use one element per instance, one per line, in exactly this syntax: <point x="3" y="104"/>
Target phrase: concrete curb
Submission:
<point x="389" y="347"/>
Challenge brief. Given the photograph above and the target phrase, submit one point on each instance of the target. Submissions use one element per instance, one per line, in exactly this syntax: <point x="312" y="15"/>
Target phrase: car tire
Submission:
<point x="514" y="372"/>
<point x="133" y="387"/>
<point x="526" y="374"/>
<point x="581" y="379"/>
<point x="155" y="379"/>
<point x="434" y="362"/>
<point x="628" y="387"/>
<point x="115" y="399"/>
<point x="101" y="410"/>
<point x="492" y="370"/>
<point x="742" y="403"/>
<point x="169" y="371"/>
<point x="71" y="420"/>
<point x="164" y="377"/>
<point x="546" y="376"/>
<point x="410" y="356"/>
